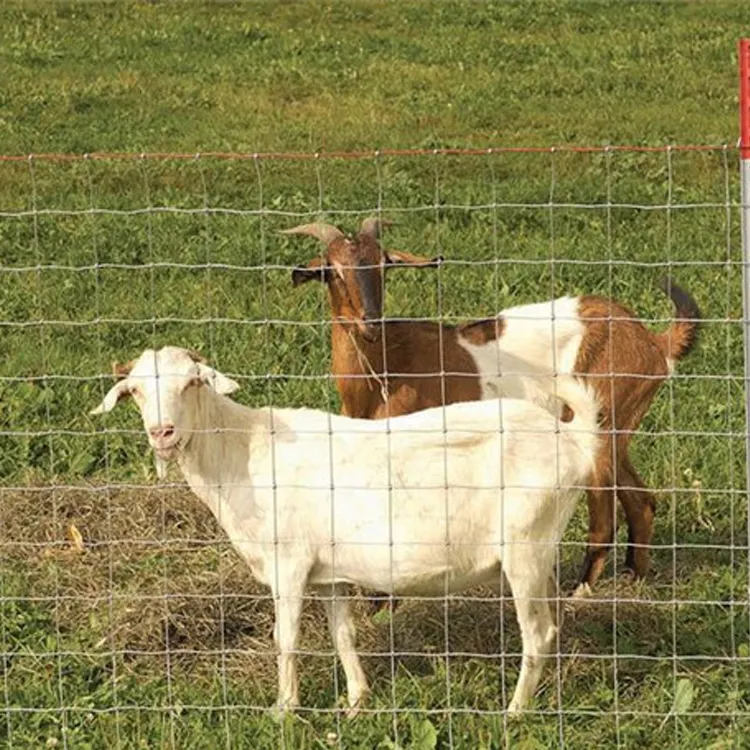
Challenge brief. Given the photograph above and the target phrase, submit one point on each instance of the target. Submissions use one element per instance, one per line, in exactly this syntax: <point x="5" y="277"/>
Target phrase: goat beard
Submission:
<point x="161" y="467"/>
<point x="163" y="457"/>
<point x="168" y="454"/>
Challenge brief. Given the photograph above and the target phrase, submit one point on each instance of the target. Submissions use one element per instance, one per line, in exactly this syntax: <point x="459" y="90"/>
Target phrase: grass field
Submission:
<point x="156" y="636"/>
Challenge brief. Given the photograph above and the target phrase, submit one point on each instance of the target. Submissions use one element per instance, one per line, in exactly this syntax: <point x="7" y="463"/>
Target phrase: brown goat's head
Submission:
<point x="353" y="270"/>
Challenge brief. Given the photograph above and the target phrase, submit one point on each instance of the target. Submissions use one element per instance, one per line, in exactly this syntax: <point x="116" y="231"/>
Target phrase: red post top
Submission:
<point x="744" y="63"/>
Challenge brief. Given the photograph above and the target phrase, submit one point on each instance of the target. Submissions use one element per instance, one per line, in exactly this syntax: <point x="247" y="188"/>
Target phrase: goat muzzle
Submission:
<point x="164" y="441"/>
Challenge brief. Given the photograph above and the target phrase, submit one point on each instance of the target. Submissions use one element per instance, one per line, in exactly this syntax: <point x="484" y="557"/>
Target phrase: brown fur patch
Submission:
<point x="567" y="414"/>
<point x="623" y="360"/>
<point x="481" y="331"/>
<point x="410" y="367"/>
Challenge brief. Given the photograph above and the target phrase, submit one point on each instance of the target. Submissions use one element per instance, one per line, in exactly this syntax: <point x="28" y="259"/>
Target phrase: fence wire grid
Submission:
<point x="127" y="619"/>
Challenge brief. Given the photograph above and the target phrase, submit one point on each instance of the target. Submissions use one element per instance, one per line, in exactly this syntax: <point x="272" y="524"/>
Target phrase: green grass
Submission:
<point x="94" y="633"/>
<point x="288" y="76"/>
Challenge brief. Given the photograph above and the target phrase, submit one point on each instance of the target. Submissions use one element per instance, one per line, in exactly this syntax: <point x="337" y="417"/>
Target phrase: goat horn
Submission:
<point x="326" y="233"/>
<point x="373" y="227"/>
<point x="120" y="370"/>
<point x="196" y="356"/>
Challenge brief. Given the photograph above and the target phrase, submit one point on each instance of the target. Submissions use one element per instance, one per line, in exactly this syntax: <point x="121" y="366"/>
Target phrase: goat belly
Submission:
<point x="422" y="541"/>
<point x="403" y="569"/>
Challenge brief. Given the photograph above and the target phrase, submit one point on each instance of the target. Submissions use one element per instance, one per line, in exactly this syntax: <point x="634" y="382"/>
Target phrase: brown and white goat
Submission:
<point x="387" y="368"/>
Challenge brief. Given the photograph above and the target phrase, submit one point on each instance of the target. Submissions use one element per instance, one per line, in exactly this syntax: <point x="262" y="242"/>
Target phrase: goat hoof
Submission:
<point x="583" y="590"/>
<point x="637" y="565"/>
<point x="634" y="575"/>
<point x="353" y="711"/>
<point x="356" y="705"/>
<point x="282" y="711"/>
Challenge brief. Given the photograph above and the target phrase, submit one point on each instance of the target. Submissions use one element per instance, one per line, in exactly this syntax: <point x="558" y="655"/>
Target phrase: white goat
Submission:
<point x="429" y="503"/>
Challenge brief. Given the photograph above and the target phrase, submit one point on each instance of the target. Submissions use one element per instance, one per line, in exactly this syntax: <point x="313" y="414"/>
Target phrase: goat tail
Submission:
<point x="680" y="338"/>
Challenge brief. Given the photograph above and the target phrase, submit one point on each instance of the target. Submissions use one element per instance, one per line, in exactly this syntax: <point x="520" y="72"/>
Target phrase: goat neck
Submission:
<point x="215" y="461"/>
<point x="353" y="355"/>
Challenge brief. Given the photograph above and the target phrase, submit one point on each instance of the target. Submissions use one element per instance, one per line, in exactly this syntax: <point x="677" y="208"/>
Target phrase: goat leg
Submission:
<point x="341" y="625"/>
<point x="601" y="500"/>
<point x="640" y="508"/>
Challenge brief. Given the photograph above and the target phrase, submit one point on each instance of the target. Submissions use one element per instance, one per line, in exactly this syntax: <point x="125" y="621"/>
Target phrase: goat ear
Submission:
<point x="114" y="394"/>
<point x="216" y="380"/>
<point x="316" y="270"/>
<point x="402" y="258"/>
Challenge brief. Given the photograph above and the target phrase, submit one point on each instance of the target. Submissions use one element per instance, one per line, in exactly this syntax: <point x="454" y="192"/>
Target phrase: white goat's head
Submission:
<point x="165" y="386"/>
<point x="353" y="269"/>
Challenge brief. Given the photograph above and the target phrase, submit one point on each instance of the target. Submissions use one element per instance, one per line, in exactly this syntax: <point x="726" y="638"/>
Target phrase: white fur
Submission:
<point x="428" y="503"/>
<point x="538" y="342"/>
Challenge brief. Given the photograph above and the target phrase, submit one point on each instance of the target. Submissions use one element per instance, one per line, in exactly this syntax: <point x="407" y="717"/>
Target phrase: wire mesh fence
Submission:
<point x="127" y="619"/>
